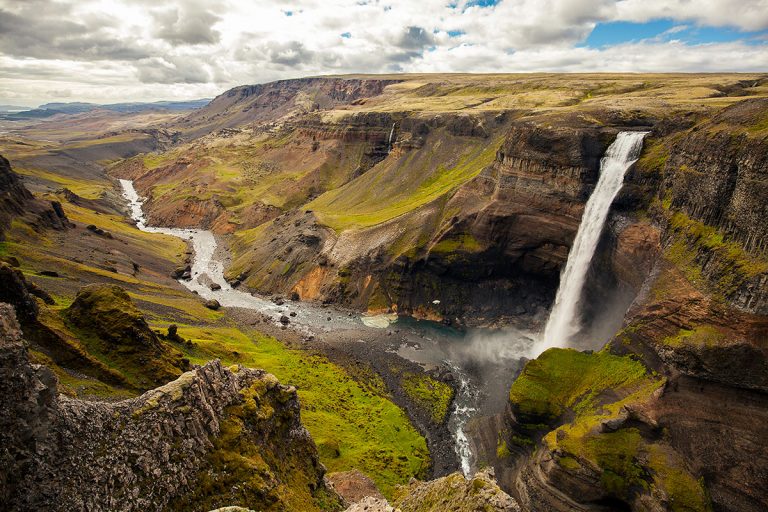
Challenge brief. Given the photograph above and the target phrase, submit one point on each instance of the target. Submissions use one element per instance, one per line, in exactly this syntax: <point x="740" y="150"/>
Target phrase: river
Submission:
<point x="483" y="362"/>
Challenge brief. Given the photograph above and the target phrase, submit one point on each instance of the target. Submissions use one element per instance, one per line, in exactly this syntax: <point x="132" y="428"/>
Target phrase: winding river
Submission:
<point x="483" y="362"/>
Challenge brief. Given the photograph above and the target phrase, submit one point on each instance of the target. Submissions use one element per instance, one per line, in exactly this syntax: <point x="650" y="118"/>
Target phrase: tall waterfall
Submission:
<point x="564" y="319"/>
<point x="389" y="140"/>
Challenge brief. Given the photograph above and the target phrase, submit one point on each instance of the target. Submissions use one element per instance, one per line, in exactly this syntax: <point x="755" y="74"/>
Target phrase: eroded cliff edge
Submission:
<point x="215" y="436"/>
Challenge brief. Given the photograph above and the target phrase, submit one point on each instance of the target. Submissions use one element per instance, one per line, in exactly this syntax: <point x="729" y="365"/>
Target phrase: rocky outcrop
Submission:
<point x="34" y="318"/>
<point x="172" y="447"/>
<point x="453" y="492"/>
<point x="17" y="201"/>
<point x="120" y="333"/>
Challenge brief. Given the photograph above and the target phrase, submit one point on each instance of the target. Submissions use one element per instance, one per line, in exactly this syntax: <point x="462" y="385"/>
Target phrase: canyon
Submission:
<point x="392" y="246"/>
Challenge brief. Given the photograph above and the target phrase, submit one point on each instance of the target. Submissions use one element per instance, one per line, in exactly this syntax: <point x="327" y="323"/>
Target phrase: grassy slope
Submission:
<point x="402" y="184"/>
<point x="281" y="170"/>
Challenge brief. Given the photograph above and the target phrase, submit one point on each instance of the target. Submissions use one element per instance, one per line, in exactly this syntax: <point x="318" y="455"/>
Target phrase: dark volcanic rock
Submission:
<point x="212" y="304"/>
<point x="14" y="289"/>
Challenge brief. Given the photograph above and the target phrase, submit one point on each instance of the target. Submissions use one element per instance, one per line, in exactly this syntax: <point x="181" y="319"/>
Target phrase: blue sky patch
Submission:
<point x="456" y="33"/>
<point x="662" y="30"/>
<point x="346" y="35"/>
<point x="482" y="3"/>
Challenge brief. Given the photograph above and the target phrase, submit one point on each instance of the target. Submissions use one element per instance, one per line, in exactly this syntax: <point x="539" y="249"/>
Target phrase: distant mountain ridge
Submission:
<point x="51" y="109"/>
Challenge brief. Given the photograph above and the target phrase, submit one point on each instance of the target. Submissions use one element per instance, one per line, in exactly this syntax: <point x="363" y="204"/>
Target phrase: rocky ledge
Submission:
<point x="453" y="492"/>
<point x="215" y="436"/>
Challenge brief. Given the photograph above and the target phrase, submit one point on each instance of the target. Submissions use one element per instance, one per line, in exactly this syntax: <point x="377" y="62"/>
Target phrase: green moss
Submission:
<point x="568" y="463"/>
<point x="654" y="157"/>
<point x="371" y="433"/>
<point x="464" y="243"/>
<point x="686" y="494"/>
<point x="112" y="329"/>
<point x="560" y="379"/>
<point x="250" y="464"/>
<point x="428" y="393"/>
<point x="502" y="450"/>
<point x="703" y="335"/>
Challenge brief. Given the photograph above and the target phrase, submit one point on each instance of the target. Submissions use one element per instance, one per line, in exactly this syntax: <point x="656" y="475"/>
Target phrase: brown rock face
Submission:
<point x="522" y="212"/>
<point x="145" y="453"/>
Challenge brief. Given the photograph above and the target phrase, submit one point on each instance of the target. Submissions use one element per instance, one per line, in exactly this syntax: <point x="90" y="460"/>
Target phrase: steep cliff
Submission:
<point x="213" y="437"/>
<point x="265" y="103"/>
<point x="670" y="414"/>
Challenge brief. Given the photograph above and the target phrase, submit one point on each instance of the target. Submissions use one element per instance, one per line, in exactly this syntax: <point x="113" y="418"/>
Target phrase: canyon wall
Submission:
<point x="675" y="404"/>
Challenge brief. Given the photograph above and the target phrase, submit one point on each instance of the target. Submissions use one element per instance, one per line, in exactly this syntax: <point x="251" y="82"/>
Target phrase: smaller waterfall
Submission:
<point x="563" y="321"/>
<point x="389" y="140"/>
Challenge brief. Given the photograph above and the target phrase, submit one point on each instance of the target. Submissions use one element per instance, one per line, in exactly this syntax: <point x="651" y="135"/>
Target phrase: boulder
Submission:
<point x="212" y="304"/>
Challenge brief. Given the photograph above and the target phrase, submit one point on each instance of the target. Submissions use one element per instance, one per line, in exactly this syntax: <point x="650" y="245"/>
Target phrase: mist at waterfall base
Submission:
<point x="483" y="362"/>
<point x="565" y="318"/>
<point x="488" y="355"/>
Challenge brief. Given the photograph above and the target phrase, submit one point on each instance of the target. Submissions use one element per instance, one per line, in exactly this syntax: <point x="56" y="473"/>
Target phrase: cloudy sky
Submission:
<point x="146" y="50"/>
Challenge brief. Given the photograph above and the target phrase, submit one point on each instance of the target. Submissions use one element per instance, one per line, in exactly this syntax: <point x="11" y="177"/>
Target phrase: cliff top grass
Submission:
<point x="556" y="91"/>
<point x="354" y="426"/>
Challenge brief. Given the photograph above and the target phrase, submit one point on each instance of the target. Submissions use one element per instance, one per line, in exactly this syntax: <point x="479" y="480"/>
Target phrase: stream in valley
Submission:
<point x="483" y="363"/>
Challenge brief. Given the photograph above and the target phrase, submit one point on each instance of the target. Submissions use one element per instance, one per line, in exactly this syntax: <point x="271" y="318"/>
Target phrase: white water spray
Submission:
<point x="564" y="321"/>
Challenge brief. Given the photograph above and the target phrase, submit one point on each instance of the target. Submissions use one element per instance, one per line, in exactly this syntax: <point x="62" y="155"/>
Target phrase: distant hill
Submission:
<point x="51" y="109"/>
<point x="12" y="108"/>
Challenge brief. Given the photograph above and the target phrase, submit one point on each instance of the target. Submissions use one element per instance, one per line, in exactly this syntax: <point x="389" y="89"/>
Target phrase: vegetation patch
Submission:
<point x="396" y="187"/>
<point x="562" y="379"/>
<point x="428" y="393"/>
<point x="701" y="336"/>
<point x="463" y="243"/>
